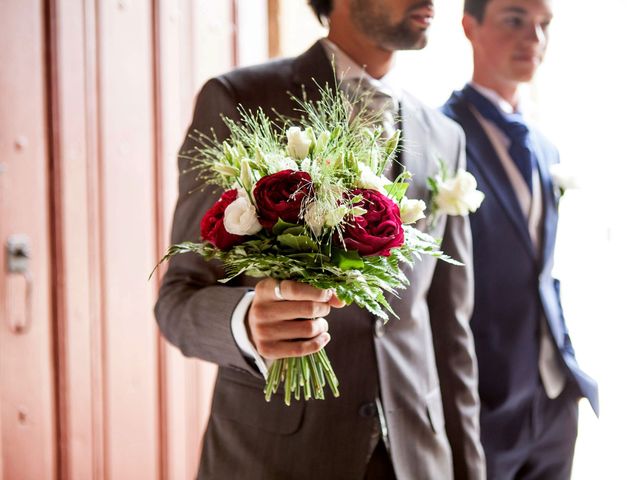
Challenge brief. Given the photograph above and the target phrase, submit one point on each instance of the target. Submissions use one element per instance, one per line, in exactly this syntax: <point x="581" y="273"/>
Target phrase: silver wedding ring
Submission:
<point x="277" y="292"/>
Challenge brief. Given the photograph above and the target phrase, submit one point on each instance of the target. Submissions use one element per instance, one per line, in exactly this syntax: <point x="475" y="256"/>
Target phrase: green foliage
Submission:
<point x="396" y="190"/>
<point x="362" y="280"/>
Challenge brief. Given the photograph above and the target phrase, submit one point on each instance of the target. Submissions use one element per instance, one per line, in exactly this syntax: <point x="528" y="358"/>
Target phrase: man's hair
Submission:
<point x="476" y="8"/>
<point x="322" y="8"/>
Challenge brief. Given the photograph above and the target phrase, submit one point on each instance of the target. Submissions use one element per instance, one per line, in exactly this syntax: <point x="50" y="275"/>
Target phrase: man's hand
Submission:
<point x="292" y="327"/>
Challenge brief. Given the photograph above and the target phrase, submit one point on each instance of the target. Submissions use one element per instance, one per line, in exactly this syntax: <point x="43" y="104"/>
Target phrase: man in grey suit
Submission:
<point x="400" y="381"/>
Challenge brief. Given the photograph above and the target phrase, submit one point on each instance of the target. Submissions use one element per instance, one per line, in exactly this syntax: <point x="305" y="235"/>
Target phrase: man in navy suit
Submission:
<point x="529" y="379"/>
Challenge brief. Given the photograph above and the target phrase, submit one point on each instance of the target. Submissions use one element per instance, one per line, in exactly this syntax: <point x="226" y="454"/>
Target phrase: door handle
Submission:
<point x="19" y="299"/>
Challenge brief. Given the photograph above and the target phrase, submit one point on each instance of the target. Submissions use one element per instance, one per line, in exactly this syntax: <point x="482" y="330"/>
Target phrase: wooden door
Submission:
<point x="27" y="420"/>
<point x="95" y="99"/>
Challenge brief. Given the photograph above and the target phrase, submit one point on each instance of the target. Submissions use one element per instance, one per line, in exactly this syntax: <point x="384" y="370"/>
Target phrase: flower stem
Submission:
<point x="302" y="377"/>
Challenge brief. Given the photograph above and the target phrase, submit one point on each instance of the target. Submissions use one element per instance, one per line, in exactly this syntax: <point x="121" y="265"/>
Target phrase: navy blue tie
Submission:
<point x="514" y="128"/>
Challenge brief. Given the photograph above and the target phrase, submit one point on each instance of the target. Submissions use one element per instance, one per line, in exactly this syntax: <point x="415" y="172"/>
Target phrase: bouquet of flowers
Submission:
<point x="310" y="202"/>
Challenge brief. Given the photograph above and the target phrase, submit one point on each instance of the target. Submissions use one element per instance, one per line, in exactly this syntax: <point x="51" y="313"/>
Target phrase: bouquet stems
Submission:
<point x="302" y="376"/>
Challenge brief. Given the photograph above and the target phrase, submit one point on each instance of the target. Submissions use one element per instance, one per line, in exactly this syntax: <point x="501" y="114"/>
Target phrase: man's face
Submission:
<point x="393" y="24"/>
<point x="511" y="41"/>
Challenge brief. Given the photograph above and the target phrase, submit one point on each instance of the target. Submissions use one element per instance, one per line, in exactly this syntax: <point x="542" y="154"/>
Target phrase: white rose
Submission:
<point x="298" y="143"/>
<point x="240" y="217"/>
<point x="563" y="178"/>
<point x="458" y="195"/>
<point x="277" y="163"/>
<point x="370" y="180"/>
<point x="411" y="210"/>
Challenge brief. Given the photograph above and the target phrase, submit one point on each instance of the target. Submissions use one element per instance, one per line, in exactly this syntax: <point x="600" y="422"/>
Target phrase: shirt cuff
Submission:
<point x="241" y="336"/>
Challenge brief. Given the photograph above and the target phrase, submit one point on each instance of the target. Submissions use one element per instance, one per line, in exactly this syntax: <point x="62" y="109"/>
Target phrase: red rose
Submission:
<point x="212" y="224"/>
<point x="280" y="196"/>
<point x="377" y="231"/>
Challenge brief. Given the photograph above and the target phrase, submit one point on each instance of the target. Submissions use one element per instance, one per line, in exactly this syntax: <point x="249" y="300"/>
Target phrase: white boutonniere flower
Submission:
<point x="457" y="195"/>
<point x="563" y="178"/>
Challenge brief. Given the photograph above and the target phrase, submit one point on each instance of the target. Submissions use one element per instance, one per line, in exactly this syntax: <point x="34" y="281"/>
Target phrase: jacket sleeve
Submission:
<point x="193" y="311"/>
<point x="450" y="301"/>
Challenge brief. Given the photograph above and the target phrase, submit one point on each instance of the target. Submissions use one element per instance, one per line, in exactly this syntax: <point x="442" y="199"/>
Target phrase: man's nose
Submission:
<point x="536" y="34"/>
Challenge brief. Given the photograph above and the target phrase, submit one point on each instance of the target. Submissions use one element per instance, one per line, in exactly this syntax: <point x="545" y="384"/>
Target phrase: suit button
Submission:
<point x="368" y="410"/>
<point x="378" y="328"/>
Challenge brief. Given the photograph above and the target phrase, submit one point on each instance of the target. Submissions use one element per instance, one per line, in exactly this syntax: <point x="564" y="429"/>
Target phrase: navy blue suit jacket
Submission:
<point x="514" y="288"/>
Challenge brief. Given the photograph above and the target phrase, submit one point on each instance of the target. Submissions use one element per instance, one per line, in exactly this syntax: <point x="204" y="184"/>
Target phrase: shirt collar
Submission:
<point x="496" y="99"/>
<point x="347" y="69"/>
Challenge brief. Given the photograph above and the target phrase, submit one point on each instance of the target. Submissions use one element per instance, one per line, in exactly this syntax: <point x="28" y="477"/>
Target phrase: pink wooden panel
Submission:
<point x="170" y="69"/>
<point x="26" y="369"/>
<point x="79" y="344"/>
<point x="127" y="150"/>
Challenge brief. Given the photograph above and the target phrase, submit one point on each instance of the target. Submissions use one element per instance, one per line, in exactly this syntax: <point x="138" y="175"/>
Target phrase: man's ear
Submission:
<point x="469" y="24"/>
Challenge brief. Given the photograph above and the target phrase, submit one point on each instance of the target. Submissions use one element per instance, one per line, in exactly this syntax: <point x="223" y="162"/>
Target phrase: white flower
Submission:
<point x="563" y="178"/>
<point x="305" y="165"/>
<point x="323" y="141"/>
<point x="246" y="178"/>
<point x="370" y="180"/>
<point x="314" y="218"/>
<point x="240" y="217"/>
<point x="317" y="216"/>
<point x="226" y="170"/>
<point x="298" y="143"/>
<point x="411" y="210"/>
<point x="458" y="195"/>
<point x="241" y="191"/>
<point x="230" y="153"/>
<point x="277" y="163"/>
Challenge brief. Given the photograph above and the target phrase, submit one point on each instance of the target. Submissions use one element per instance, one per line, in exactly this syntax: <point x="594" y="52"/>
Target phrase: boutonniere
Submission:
<point x="563" y="179"/>
<point x="453" y="194"/>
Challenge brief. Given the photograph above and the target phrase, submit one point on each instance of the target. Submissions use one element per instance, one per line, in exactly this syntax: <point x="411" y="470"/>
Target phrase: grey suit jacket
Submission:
<point x="415" y="365"/>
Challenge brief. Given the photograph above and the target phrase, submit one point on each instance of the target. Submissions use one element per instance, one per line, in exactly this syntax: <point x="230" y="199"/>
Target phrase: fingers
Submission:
<point x="288" y="310"/>
<point x="291" y="327"/>
<point x="335" y="302"/>
<point x="292" y="291"/>
<point x="297" y="348"/>
<point x="293" y="330"/>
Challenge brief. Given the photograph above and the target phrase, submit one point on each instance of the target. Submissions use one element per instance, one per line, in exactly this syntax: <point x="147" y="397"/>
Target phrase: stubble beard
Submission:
<point x="371" y="19"/>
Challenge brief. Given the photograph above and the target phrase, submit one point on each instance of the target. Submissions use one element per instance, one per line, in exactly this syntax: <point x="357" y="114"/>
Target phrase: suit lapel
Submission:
<point x="549" y="201"/>
<point x="415" y="155"/>
<point x="482" y="154"/>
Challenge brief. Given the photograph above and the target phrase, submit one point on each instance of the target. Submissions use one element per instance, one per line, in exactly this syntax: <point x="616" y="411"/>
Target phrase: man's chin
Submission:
<point x="421" y="42"/>
<point x="524" y="76"/>
<point x="525" y="71"/>
<point x="416" y="42"/>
